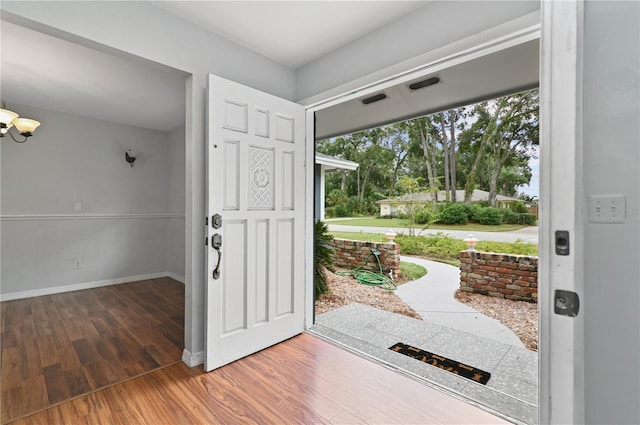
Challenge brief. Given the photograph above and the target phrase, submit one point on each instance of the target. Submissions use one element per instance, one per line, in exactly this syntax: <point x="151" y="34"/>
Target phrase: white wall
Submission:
<point x="176" y="230"/>
<point x="122" y="228"/>
<point x="611" y="152"/>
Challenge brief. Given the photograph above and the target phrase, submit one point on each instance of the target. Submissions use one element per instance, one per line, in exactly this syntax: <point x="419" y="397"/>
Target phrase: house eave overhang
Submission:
<point x="330" y="163"/>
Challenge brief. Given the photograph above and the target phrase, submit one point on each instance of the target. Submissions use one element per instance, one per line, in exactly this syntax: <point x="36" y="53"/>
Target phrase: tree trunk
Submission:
<point x="452" y="154"/>
<point x="424" y="141"/>
<point x="445" y="151"/>
<point x="493" y="183"/>
<point x="343" y="184"/>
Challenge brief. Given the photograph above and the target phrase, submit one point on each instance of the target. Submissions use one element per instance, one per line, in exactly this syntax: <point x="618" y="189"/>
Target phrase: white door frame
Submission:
<point x="560" y="70"/>
<point x="561" y="338"/>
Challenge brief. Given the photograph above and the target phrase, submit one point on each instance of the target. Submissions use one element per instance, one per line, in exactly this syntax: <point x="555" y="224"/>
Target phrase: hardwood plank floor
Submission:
<point x="60" y="346"/>
<point x="302" y="380"/>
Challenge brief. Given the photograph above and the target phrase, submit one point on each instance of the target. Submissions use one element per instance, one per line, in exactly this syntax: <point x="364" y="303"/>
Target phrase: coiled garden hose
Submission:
<point x="370" y="278"/>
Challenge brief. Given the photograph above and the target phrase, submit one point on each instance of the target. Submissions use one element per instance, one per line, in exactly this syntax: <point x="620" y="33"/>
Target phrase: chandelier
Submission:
<point x="9" y="120"/>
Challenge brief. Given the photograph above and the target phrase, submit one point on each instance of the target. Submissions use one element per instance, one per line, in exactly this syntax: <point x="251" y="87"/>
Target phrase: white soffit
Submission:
<point x="502" y="72"/>
<point x="51" y="73"/>
<point x="290" y="32"/>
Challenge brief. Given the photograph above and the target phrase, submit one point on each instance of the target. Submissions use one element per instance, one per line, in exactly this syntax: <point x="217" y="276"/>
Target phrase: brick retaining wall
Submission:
<point x="351" y="254"/>
<point x="499" y="275"/>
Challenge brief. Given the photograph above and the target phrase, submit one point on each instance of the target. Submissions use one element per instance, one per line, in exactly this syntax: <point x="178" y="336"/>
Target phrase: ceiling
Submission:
<point x="66" y="77"/>
<point x="70" y="78"/>
<point x="292" y="33"/>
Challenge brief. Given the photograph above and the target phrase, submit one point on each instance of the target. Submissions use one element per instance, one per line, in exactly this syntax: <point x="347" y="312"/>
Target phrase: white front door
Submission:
<point x="255" y="212"/>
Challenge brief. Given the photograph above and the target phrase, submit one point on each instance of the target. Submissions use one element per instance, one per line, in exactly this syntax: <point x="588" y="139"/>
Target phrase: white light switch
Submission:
<point x="607" y="208"/>
<point x="77" y="207"/>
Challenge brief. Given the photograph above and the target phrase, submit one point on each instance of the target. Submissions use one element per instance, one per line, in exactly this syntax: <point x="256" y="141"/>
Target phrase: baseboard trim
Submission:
<point x="86" y="285"/>
<point x="192" y="360"/>
<point x="176" y="277"/>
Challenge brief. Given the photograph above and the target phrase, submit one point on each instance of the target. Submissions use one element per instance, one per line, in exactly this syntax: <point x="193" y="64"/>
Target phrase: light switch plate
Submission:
<point x="607" y="208"/>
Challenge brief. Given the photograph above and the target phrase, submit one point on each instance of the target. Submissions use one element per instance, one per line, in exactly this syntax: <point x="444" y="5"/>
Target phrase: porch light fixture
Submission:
<point x="9" y="120"/>
<point x="471" y="242"/>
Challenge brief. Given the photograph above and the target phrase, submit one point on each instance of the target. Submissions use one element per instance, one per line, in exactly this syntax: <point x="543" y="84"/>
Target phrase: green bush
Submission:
<point x="453" y="213"/>
<point x="437" y="246"/>
<point x="330" y="212"/>
<point x="342" y="211"/>
<point x="488" y="215"/>
<point x="519" y="218"/>
<point x="518" y="207"/>
<point x="518" y="247"/>
<point x="423" y="216"/>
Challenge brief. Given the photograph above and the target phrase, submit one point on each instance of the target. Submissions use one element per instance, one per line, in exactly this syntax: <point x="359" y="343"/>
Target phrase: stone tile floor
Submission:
<point x="512" y="390"/>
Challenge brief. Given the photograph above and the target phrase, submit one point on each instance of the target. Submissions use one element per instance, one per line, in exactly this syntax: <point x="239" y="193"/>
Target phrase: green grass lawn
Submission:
<point x="396" y="222"/>
<point x="412" y="271"/>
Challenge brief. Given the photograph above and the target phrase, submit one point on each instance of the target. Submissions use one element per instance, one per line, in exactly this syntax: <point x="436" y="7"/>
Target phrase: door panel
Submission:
<point x="255" y="175"/>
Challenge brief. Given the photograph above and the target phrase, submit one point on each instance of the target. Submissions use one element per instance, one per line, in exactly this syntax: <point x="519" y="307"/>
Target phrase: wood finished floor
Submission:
<point x="303" y="380"/>
<point x="57" y="347"/>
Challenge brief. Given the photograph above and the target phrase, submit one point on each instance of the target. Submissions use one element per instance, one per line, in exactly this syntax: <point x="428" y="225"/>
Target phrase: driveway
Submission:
<point x="528" y="234"/>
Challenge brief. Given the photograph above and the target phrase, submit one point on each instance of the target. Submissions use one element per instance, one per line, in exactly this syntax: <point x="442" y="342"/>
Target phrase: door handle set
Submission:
<point x="216" y="242"/>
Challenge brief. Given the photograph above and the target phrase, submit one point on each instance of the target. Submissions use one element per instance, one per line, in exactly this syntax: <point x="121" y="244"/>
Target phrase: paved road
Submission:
<point x="528" y="234"/>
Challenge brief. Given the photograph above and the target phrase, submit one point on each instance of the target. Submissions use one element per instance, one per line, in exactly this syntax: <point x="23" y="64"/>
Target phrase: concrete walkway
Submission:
<point x="528" y="234"/>
<point x="432" y="297"/>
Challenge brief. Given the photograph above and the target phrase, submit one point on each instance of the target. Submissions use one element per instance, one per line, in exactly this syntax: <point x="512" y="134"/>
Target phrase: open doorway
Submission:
<point x="374" y="330"/>
<point x="93" y="244"/>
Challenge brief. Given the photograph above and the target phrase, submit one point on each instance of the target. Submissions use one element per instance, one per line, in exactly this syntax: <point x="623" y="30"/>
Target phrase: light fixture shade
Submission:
<point x="25" y="125"/>
<point x="6" y="116"/>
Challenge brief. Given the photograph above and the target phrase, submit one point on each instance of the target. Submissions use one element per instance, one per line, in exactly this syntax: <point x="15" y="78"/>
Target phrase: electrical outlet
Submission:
<point x="77" y="263"/>
<point x="77" y="207"/>
<point x="607" y="208"/>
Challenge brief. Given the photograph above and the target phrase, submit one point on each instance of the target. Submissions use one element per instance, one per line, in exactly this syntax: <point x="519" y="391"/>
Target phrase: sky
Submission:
<point x="533" y="188"/>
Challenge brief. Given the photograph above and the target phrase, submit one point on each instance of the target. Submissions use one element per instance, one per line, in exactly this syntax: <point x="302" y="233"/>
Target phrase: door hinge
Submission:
<point x="206" y="221"/>
<point x="206" y="241"/>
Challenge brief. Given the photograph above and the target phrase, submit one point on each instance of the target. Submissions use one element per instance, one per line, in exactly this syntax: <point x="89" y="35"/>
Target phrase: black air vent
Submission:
<point x="375" y="98"/>
<point x="424" y="83"/>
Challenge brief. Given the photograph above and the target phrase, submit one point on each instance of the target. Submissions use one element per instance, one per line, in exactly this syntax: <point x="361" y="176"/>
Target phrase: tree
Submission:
<point x="505" y="128"/>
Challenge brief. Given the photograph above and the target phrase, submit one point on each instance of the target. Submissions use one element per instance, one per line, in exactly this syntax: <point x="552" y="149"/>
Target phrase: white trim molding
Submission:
<point x="192" y="360"/>
<point x="87" y="285"/>
<point x="177" y="277"/>
<point x="43" y="217"/>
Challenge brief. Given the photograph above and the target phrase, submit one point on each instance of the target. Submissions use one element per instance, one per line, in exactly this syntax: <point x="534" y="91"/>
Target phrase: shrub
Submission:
<point x="423" y="216"/>
<point x="324" y="253"/>
<point x="453" y="213"/>
<point x="330" y="212"/>
<point x="518" y="207"/>
<point x="342" y="211"/>
<point x="488" y="215"/>
<point x="519" y="218"/>
<point x="518" y="247"/>
<point x="436" y="246"/>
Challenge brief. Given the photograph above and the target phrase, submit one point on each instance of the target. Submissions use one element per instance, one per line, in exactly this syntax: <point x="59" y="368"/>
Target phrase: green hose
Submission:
<point x="370" y="278"/>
